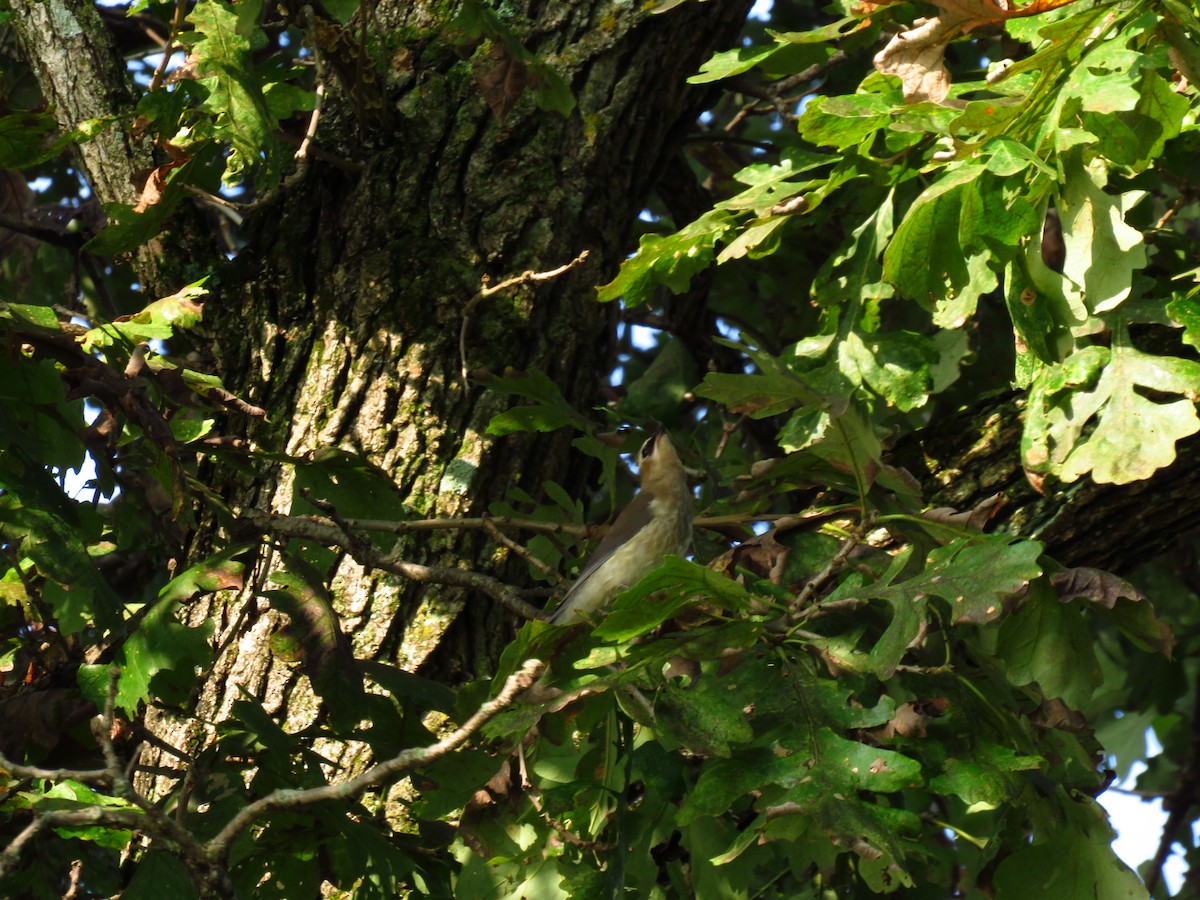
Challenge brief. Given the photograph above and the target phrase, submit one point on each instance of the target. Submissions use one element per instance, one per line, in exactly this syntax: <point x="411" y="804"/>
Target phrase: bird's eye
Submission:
<point x="647" y="450"/>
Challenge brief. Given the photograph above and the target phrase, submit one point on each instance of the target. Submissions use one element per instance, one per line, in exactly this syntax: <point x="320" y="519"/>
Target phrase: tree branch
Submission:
<point x="141" y="816"/>
<point x="334" y="536"/>
<point x="414" y="758"/>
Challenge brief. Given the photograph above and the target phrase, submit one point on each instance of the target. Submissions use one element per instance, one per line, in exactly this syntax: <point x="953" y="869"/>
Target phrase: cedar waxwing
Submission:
<point x="657" y="523"/>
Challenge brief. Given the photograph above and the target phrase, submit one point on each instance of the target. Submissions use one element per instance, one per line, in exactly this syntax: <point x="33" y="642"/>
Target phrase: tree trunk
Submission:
<point x="342" y="315"/>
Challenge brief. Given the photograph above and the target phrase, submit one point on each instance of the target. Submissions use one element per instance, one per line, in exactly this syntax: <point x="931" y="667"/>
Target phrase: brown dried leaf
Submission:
<point x="687" y="670"/>
<point x="153" y="190"/>
<point x="503" y="81"/>
<point x="975" y="518"/>
<point x="1131" y="611"/>
<point x="917" y="56"/>
<point x="763" y="555"/>
<point x="498" y="797"/>
<point x="1054" y="713"/>
<point x="1093" y="584"/>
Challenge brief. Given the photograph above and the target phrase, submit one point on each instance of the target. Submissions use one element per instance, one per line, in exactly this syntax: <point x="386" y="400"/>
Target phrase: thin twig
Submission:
<point x="501" y="538"/>
<point x="167" y="52"/>
<point x="231" y="209"/>
<point x="487" y="290"/>
<point x="727" y="430"/>
<point x="84" y="776"/>
<point x="1170" y="213"/>
<point x="591" y="532"/>
<point x="74" y="879"/>
<point x="448" y="523"/>
<point x="366" y="555"/>
<point x="68" y="241"/>
<point x="311" y="131"/>
<point x="797" y="606"/>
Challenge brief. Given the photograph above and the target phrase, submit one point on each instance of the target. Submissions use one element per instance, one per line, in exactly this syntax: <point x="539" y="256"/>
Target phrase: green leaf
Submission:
<point x="1132" y="435"/>
<point x="758" y="239"/>
<point x="671" y="260"/>
<point x="659" y="393"/>
<point x="974" y="576"/>
<point x="1048" y="642"/>
<point x="179" y="310"/>
<point x="313" y="637"/>
<point x="708" y="717"/>
<point x="977" y="574"/>
<point x="854" y="766"/>
<point x="49" y="530"/>
<point x="128" y="229"/>
<point x="355" y="486"/>
<point x="925" y="260"/>
<point x="895" y="365"/>
<point x="742" y="59"/>
<point x="1186" y="311"/>
<point x="1044" y="305"/>
<point x="528" y="418"/>
<point x="221" y="571"/>
<point x="424" y="692"/>
<point x="23" y="315"/>
<point x="856" y="272"/>
<point x="550" y="413"/>
<point x="69" y="795"/>
<point x="221" y="44"/>
<point x="1005" y="157"/>
<point x="679" y="582"/>
<point x="997" y="215"/>
<point x="1103" y="84"/>
<point x="31" y="138"/>
<point x="758" y="396"/>
<point x="844" y="121"/>
<point x="768" y="184"/>
<point x="157" y="321"/>
<point x="819" y="770"/>
<point x="1102" y="251"/>
<point x="983" y="778"/>
<point x="1071" y="861"/>
<point x="161" y="644"/>
<point x="342" y="10"/>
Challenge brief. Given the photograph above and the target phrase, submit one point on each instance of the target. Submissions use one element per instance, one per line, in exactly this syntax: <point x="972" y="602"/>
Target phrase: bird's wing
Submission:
<point x="632" y="519"/>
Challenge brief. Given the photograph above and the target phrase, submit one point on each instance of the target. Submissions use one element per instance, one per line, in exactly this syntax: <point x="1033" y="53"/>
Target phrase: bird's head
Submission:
<point x="659" y="465"/>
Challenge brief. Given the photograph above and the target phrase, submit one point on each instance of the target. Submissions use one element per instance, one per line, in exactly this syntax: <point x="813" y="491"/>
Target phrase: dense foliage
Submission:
<point x="911" y="215"/>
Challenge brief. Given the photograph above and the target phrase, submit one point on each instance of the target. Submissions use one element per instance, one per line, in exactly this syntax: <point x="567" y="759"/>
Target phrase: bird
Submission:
<point x="657" y="523"/>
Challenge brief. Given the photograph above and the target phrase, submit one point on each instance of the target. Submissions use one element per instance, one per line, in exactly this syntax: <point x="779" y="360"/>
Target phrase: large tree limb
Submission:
<point x="976" y="453"/>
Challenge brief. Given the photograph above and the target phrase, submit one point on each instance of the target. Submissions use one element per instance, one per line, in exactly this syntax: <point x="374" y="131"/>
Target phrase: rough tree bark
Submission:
<point x="341" y="315"/>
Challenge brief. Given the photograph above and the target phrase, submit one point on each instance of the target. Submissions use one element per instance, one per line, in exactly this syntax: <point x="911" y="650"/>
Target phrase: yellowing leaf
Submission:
<point x="1102" y="251"/>
<point x="1132" y="435"/>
